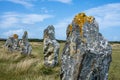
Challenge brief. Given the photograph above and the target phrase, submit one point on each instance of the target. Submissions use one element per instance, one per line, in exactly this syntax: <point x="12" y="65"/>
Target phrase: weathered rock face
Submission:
<point x="26" y="48"/>
<point x="51" y="47"/>
<point x="86" y="54"/>
<point x="12" y="43"/>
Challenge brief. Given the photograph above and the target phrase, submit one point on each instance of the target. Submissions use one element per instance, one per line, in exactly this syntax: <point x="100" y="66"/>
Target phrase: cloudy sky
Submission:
<point x="16" y="16"/>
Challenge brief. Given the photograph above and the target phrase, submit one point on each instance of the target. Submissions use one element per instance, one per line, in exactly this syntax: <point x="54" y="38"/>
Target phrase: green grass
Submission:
<point x="14" y="66"/>
<point x="114" y="71"/>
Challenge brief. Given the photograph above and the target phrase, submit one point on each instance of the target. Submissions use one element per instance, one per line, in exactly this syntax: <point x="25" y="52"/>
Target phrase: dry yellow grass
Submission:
<point x="14" y="66"/>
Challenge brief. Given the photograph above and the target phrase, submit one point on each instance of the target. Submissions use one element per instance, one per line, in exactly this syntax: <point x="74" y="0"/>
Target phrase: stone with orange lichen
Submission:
<point x="12" y="43"/>
<point x="86" y="54"/>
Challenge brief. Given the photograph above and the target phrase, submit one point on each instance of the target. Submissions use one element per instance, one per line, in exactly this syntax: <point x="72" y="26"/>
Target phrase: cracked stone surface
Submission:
<point x="26" y="47"/>
<point x="12" y="43"/>
<point x="86" y="54"/>
<point x="51" y="47"/>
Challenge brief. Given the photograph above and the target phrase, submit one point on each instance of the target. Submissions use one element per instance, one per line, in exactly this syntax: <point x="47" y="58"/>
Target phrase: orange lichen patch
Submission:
<point x="80" y="20"/>
<point x="70" y="27"/>
<point x="15" y="36"/>
<point x="69" y="30"/>
<point x="90" y="19"/>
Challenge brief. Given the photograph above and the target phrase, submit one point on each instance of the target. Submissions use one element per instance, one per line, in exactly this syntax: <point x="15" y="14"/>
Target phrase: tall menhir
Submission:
<point x="51" y="47"/>
<point x="86" y="54"/>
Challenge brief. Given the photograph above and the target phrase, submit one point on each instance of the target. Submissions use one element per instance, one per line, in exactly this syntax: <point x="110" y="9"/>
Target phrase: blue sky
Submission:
<point x="16" y="16"/>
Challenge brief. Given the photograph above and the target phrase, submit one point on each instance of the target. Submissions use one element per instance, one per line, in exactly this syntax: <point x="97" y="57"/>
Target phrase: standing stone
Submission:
<point x="25" y="37"/>
<point x="12" y="43"/>
<point x="16" y="42"/>
<point x="25" y="45"/>
<point x="86" y="54"/>
<point x="51" y="47"/>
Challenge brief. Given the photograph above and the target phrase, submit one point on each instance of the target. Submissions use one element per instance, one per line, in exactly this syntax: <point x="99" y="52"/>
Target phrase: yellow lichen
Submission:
<point x="80" y="20"/>
<point x="70" y="27"/>
<point x="90" y="19"/>
<point x="69" y="30"/>
<point x="15" y="36"/>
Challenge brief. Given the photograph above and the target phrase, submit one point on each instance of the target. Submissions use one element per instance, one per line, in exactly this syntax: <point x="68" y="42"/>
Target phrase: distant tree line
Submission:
<point x="112" y="42"/>
<point x="41" y="40"/>
<point x="60" y="41"/>
<point x="34" y="40"/>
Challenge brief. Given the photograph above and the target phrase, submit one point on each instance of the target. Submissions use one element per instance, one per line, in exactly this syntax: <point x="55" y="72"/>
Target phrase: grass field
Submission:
<point x="14" y="66"/>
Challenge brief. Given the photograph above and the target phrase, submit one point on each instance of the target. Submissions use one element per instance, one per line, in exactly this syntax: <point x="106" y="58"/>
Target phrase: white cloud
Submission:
<point x="25" y="3"/>
<point x="12" y="19"/>
<point x="33" y="18"/>
<point x="106" y="15"/>
<point x="63" y="1"/>
<point x="44" y="10"/>
<point x="8" y="22"/>
<point x="11" y="32"/>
